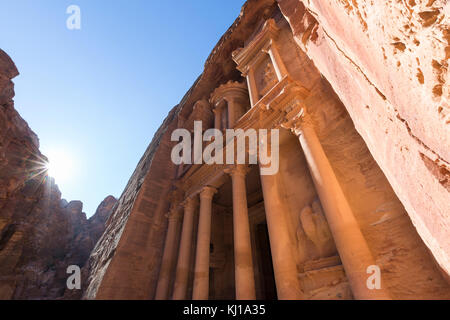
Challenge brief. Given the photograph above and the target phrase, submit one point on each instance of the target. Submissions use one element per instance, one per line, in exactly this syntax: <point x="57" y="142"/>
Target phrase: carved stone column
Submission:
<point x="217" y="117"/>
<point x="254" y="97"/>
<point x="244" y="274"/>
<point x="201" y="274"/>
<point x="169" y="257"/>
<point x="278" y="64"/>
<point x="283" y="259"/>
<point x="352" y="247"/>
<point x="231" y="112"/>
<point x="182" y="271"/>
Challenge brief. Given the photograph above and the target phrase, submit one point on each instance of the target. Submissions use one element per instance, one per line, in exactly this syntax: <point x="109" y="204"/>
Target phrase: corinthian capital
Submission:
<point x="237" y="170"/>
<point x="296" y="117"/>
<point x="207" y="192"/>
<point x="190" y="202"/>
<point x="175" y="213"/>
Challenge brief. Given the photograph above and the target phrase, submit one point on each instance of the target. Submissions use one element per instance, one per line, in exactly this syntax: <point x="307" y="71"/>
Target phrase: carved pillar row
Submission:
<point x="352" y="247"/>
<point x="244" y="274"/>
<point x="201" y="273"/>
<point x="283" y="259"/>
<point x="182" y="271"/>
<point x="169" y="256"/>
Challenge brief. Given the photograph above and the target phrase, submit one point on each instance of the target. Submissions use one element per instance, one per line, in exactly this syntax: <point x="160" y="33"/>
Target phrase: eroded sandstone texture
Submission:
<point x="359" y="90"/>
<point x="388" y="63"/>
<point x="363" y="171"/>
<point x="40" y="233"/>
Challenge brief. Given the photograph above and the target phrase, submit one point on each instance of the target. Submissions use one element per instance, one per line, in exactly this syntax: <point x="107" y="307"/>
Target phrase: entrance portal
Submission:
<point x="268" y="289"/>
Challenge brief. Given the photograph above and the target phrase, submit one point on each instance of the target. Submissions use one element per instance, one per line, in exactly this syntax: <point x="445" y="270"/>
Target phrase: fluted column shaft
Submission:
<point x="201" y="274"/>
<point x="243" y="261"/>
<point x="284" y="264"/>
<point x="182" y="271"/>
<point x="350" y="242"/>
<point x="169" y="258"/>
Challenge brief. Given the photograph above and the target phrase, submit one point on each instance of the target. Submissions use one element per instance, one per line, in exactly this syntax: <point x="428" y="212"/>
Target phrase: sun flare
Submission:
<point x="61" y="165"/>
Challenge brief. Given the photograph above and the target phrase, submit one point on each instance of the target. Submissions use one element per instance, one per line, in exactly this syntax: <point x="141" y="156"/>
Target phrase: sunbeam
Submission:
<point x="61" y="165"/>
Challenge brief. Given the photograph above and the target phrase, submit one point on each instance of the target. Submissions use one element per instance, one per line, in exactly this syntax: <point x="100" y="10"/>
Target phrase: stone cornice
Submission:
<point x="231" y="89"/>
<point x="194" y="181"/>
<point x="244" y="57"/>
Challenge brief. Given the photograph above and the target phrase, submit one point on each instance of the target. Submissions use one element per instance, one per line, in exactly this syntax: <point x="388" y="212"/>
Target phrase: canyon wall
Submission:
<point x="388" y="63"/>
<point x="125" y="262"/>
<point x="40" y="233"/>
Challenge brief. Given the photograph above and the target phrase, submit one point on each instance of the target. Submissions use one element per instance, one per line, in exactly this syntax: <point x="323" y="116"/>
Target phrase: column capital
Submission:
<point x="207" y="192"/>
<point x="237" y="170"/>
<point x="175" y="213"/>
<point x="296" y="118"/>
<point x="190" y="202"/>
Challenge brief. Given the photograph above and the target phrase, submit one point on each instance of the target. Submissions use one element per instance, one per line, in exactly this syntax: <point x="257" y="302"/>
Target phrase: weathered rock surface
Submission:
<point x="40" y="234"/>
<point x="134" y="238"/>
<point x="379" y="93"/>
<point x="388" y="63"/>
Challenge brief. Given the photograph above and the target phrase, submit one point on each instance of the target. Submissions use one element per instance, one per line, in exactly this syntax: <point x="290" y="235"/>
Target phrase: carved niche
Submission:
<point x="312" y="226"/>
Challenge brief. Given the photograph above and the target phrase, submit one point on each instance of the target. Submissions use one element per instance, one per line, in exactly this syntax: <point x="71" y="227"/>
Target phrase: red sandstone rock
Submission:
<point x="40" y="234"/>
<point x="134" y="238"/>
<point x="388" y="63"/>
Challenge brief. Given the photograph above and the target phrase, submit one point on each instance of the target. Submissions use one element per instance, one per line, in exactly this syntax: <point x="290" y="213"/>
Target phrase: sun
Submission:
<point x="61" y="165"/>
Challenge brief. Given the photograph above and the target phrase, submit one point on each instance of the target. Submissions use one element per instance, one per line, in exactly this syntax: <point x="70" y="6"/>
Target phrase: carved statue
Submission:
<point x="302" y="244"/>
<point x="315" y="227"/>
<point x="267" y="78"/>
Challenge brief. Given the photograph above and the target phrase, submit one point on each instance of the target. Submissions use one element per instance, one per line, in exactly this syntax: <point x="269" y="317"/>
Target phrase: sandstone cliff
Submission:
<point x="388" y="63"/>
<point x="40" y="234"/>
<point x="138" y="221"/>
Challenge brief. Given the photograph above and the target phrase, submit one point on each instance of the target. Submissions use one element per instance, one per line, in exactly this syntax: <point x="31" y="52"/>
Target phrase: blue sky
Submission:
<point x="97" y="95"/>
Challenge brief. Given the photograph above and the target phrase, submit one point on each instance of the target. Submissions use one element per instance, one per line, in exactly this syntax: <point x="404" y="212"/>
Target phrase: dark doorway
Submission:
<point x="269" y="291"/>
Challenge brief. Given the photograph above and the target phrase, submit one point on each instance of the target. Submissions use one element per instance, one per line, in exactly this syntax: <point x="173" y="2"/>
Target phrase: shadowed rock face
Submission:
<point x="40" y="234"/>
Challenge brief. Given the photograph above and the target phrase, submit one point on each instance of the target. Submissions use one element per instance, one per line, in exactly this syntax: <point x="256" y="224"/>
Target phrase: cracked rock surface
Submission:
<point x="388" y="63"/>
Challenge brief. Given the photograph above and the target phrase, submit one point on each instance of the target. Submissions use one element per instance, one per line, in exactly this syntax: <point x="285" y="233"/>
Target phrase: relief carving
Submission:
<point x="265" y="77"/>
<point x="312" y="225"/>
